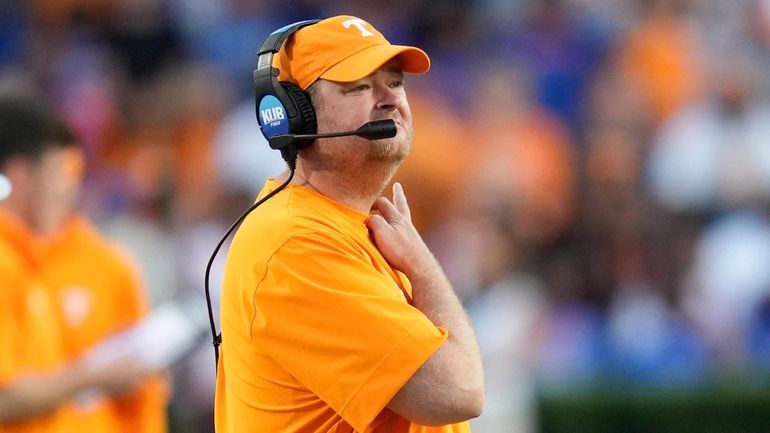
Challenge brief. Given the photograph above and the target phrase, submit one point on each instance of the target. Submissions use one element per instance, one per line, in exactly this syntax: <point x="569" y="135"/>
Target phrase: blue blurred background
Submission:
<point x="594" y="175"/>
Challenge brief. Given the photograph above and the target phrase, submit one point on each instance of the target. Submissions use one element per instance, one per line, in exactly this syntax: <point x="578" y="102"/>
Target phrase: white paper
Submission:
<point x="160" y="340"/>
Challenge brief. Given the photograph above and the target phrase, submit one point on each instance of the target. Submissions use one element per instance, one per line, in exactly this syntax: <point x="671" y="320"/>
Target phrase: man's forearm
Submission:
<point x="449" y="386"/>
<point x="37" y="395"/>
<point x="434" y="296"/>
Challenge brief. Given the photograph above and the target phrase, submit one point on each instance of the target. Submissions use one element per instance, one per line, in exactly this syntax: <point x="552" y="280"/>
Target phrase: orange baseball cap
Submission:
<point x="342" y="48"/>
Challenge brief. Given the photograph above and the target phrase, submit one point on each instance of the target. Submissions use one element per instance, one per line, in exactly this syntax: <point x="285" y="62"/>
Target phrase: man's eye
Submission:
<point x="360" y="88"/>
<point x="397" y="84"/>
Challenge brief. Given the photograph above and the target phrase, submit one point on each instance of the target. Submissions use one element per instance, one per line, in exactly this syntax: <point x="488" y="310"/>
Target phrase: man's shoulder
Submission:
<point x="270" y="230"/>
<point x="96" y="247"/>
<point x="294" y="211"/>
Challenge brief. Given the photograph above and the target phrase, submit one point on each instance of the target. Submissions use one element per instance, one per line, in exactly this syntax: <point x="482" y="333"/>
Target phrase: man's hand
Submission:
<point x="394" y="234"/>
<point x="449" y="387"/>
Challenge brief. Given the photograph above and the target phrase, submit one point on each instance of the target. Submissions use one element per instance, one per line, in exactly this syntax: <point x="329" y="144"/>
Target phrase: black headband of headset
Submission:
<point x="276" y="39"/>
<point x="272" y="45"/>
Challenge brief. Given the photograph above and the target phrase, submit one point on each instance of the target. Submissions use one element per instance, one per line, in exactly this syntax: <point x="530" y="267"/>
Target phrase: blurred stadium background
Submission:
<point x="593" y="174"/>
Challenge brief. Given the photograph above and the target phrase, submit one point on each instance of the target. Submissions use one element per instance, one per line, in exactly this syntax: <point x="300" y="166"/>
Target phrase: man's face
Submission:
<point x="50" y="185"/>
<point x="347" y="106"/>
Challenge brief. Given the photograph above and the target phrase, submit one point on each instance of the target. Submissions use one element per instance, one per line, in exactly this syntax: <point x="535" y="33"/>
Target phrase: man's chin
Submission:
<point x="388" y="151"/>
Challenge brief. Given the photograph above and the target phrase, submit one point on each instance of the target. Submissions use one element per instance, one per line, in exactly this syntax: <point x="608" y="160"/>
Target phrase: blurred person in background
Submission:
<point x="712" y="160"/>
<point x="661" y="57"/>
<point x="65" y="289"/>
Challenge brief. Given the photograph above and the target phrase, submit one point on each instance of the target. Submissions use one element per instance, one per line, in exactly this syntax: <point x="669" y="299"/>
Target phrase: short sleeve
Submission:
<point x="341" y="327"/>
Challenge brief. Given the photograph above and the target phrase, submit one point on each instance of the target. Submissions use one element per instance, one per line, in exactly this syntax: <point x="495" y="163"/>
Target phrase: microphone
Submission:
<point x="375" y="130"/>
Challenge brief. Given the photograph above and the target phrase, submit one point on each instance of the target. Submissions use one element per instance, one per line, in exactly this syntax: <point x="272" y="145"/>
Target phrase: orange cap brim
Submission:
<point x="367" y="61"/>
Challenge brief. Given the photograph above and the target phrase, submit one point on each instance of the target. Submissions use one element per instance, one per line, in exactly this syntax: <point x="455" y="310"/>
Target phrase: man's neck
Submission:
<point x="29" y="215"/>
<point x="355" y="189"/>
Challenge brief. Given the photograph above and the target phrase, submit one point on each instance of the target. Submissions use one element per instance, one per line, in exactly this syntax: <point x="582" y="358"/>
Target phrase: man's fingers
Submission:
<point x="377" y="223"/>
<point x="386" y="208"/>
<point x="399" y="200"/>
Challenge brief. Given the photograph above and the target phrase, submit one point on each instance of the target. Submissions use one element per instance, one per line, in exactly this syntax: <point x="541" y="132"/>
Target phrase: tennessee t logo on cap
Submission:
<point x="343" y="49"/>
<point x="358" y="22"/>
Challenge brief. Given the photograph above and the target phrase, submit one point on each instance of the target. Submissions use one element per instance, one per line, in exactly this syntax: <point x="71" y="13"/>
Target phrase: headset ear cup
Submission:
<point x="305" y="110"/>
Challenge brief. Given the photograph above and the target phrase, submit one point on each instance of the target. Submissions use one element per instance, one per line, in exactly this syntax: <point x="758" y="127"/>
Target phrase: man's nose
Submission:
<point x="389" y="98"/>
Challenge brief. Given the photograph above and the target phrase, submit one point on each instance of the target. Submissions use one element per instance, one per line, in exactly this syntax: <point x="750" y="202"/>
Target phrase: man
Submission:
<point x="64" y="289"/>
<point x="335" y="315"/>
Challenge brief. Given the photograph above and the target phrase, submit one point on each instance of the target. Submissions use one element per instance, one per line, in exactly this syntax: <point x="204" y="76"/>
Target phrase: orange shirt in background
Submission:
<point x="526" y="166"/>
<point x="93" y="293"/>
<point x="318" y="331"/>
<point x="661" y="60"/>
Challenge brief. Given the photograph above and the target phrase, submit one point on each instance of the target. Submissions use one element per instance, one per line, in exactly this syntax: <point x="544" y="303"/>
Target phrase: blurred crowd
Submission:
<point x="594" y="175"/>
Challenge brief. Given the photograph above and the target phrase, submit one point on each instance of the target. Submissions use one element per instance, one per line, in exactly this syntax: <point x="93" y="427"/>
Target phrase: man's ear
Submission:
<point x="74" y="165"/>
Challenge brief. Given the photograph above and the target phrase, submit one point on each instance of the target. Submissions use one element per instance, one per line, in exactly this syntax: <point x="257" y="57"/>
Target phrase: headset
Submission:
<point x="282" y="107"/>
<point x="285" y="112"/>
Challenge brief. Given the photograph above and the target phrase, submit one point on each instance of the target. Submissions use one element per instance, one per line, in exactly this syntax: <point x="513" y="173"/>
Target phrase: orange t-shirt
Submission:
<point x="318" y="331"/>
<point x="92" y="292"/>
